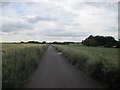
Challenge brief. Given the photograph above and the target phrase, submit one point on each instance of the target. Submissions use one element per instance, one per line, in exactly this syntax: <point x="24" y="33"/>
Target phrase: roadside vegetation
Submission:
<point x="18" y="62"/>
<point x="99" y="62"/>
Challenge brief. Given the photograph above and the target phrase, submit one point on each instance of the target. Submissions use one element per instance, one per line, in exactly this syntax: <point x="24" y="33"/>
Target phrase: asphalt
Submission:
<point x="54" y="71"/>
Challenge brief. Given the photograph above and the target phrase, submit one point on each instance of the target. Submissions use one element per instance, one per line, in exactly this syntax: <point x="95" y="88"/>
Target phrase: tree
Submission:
<point x="118" y="44"/>
<point x="33" y="42"/>
<point x="99" y="41"/>
<point x="110" y="41"/>
<point x="93" y="42"/>
<point x="21" y="42"/>
<point x="44" y="42"/>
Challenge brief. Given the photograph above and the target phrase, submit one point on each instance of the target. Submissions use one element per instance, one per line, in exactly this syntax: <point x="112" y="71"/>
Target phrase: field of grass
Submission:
<point x="98" y="62"/>
<point x="0" y="67"/>
<point x="18" y="62"/>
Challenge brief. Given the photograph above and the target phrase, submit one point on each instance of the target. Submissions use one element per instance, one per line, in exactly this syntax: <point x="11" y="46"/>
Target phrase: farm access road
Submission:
<point x="54" y="71"/>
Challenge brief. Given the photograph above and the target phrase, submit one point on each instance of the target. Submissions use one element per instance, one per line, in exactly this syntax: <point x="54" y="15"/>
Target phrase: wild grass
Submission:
<point x="101" y="63"/>
<point x="18" y="62"/>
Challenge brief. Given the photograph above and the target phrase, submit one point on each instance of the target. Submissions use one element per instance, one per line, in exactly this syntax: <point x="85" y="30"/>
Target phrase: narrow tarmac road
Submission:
<point x="54" y="71"/>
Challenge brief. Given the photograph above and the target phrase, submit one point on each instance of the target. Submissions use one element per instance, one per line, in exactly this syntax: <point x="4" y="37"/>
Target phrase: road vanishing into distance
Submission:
<point x="54" y="71"/>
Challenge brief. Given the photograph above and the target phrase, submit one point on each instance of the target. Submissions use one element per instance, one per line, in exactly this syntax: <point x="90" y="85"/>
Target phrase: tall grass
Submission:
<point x="100" y="63"/>
<point x="18" y="63"/>
<point x="0" y="66"/>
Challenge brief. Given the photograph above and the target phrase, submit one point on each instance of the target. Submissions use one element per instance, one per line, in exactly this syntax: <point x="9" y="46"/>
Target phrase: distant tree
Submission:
<point x="93" y="42"/>
<point x="90" y="41"/>
<point x="87" y="42"/>
<point x="56" y="42"/>
<point x="21" y="42"/>
<point x="44" y="42"/>
<point x="110" y="41"/>
<point x="118" y="44"/>
<point x="90" y="37"/>
<point x="35" y="42"/>
<point x="66" y="43"/>
<point x="99" y="41"/>
<point x="82" y="42"/>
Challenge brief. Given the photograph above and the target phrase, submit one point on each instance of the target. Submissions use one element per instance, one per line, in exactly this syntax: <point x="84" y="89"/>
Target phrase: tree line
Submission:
<point x="44" y="42"/>
<point x="106" y="41"/>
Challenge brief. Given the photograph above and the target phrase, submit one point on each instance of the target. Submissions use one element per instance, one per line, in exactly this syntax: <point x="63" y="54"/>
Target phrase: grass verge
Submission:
<point x="100" y="63"/>
<point x="18" y="64"/>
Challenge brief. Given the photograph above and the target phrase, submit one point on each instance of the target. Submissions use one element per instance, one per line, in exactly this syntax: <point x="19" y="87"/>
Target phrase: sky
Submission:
<point x="57" y="20"/>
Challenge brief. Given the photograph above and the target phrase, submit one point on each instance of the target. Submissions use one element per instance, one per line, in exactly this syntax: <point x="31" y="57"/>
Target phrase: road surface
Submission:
<point x="54" y="71"/>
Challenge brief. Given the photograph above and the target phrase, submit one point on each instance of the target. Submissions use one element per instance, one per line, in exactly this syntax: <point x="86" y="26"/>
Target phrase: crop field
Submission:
<point x="18" y="61"/>
<point x="99" y="62"/>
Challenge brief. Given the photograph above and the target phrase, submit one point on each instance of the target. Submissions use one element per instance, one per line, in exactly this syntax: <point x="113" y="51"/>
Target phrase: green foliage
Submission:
<point x="99" y="41"/>
<point x="100" y="63"/>
<point x="118" y="44"/>
<point x="18" y="64"/>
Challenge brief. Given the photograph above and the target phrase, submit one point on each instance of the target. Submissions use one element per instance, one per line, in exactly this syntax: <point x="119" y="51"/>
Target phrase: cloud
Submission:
<point x="59" y="20"/>
<point x="35" y="19"/>
<point x="60" y="0"/>
<point x="4" y="4"/>
<point x="26" y="23"/>
<point x="15" y="25"/>
<point x="80" y="34"/>
<point x="112" y="30"/>
<point x="9" y="27"/>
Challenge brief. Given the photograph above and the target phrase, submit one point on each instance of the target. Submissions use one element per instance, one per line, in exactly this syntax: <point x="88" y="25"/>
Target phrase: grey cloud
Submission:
<point x="107" y="5"/>
<point x="71" y="24"/>
<point x="52" y="31"/>
<point x="75" y="34"/>
<point x="40" y="18"/>
<point x="4" y="4"/>
<point x="119" y="12"/>
<point x="15" y="26"/>
<point x="67" y="35"/>
<point x="111" y="29"/>
<point x="32" y="33"/>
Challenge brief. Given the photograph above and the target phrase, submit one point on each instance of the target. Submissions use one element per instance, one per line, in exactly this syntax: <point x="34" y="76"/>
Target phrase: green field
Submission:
<point x="99" y="62"/>
<point x="18" y="62"/>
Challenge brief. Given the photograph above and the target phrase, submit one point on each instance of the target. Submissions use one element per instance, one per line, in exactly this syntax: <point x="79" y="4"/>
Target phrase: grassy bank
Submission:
<point x="18" y="61"/>
<point x="100" y="63"/>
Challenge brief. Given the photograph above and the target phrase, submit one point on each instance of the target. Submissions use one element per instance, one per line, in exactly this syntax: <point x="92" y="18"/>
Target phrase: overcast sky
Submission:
<point x="58" y="20"/>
